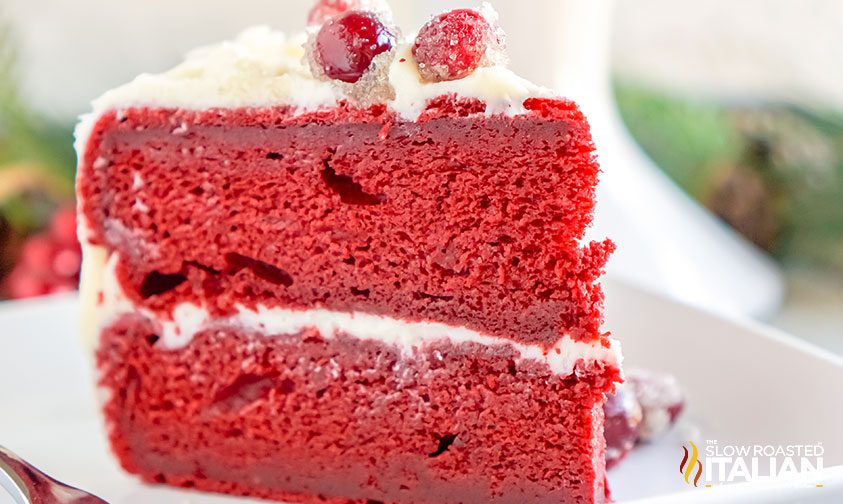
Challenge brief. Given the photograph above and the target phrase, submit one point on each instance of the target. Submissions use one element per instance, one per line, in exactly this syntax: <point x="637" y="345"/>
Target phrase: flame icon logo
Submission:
<point x="689" y="463"/>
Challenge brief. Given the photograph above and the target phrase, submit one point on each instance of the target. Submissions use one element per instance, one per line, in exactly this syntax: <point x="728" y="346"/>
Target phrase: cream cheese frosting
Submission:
<point x="104" y="301"/>
<point x="263" y="68"/>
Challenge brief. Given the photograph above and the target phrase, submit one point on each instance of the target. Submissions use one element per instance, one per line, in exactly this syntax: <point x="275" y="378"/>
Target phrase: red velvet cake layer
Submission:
<point x="307" y="419"/>
<point x="459" y="218"/>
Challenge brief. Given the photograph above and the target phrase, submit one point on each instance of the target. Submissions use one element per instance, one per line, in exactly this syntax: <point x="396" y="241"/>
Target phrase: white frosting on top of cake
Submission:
<point x="104" y="301"/>
<point x="263" y="68"/>
<point x="502" y="89"/>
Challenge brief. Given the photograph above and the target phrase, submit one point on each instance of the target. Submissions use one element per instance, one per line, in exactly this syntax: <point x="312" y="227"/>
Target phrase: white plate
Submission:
<point x="745" y="384"/>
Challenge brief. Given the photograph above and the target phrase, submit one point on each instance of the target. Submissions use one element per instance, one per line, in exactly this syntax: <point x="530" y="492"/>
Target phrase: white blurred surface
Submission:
<point x="813" y="308"/>
<point x="747" y="50"/>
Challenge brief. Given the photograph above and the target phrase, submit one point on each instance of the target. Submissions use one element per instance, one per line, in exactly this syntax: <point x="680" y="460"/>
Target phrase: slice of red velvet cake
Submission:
<point x="347" y="267"/>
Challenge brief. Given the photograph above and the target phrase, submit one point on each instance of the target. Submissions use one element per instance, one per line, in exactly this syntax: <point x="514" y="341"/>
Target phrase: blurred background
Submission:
<point x="740" y="103"/>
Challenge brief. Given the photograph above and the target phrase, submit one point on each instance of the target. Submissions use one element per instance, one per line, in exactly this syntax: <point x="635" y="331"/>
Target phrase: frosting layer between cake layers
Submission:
<point x="104" y="302"/>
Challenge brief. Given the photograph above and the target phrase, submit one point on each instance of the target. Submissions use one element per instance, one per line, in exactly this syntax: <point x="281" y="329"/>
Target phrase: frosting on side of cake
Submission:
<point x="263" y="68"/>
<point x="104" y="301"/>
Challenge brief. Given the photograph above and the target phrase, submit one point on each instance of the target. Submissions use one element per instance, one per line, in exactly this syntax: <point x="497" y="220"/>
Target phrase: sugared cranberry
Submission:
<point x="623" y="421"/>
<point x="661" y="401"/>
<point x="454" y="44"/>
<point x="347" y="44"/>
<point x="326" y="9"/>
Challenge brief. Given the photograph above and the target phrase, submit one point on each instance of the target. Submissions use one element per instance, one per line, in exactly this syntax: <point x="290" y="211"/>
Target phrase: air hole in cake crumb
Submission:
<point x="287" y="386"/>
<point x="234" y="433"/>
<point x="152" y="339"/>
<point x="350" y="260"/>
<point x="245" y="390"/>
<point x="263" y="270"/>
<point x="445" y="442"/>
<point x="420" y="142"/>
<point x="275" y="156"/>
<point x="349" y="191"/>
<point x="157" y="283"/>
<point x="425" y="295"/>
<point x="360" y="292"/>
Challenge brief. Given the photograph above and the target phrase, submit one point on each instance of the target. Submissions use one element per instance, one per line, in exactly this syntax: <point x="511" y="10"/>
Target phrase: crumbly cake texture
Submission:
<point x="295" y="296"/>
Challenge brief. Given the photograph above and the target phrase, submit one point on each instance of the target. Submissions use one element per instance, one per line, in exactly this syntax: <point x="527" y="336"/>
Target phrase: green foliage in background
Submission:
<point x="37" y="161"/>
<point x="774" y="172"/>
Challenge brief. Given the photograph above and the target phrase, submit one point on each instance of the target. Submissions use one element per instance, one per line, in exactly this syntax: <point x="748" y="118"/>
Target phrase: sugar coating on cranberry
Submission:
<point x="661" y="399"/>
<point x="622" y="424"/>
<point x="454" y="44"/>
<point x="347" y="44"/>
<point x="324" y="10"/>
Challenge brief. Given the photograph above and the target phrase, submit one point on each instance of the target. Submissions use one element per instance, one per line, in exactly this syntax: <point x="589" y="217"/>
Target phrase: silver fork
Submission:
<point x="28" y="485"/>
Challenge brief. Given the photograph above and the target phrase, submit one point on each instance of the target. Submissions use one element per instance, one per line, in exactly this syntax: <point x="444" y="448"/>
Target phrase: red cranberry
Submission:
<point x="67" y="263"/>
<point x="661" y="401"/>
<point x="22" y="284"/>
<point x="347" y="44"/>
<point x="326" y="9"/>
<point x="454" y="44"/>
<point x="49" y="262"/>
<point x="37" y="252"/>
<point x="63" y="225"/>
<point x="623" y="421"/>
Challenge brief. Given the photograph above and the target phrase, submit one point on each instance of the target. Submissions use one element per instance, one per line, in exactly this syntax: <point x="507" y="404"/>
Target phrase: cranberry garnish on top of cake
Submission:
<point x="348" y="266"/>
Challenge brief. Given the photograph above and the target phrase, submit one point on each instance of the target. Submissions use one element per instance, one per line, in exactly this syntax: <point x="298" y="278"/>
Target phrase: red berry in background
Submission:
<point x="622" y="425"/>
<point x="324" y="10"/>
<point x="67" y="263"/>
<point x="661" y="400"/>
<point x="63" y="225"/>
<point x="22" y="284"/>
<point x="49" y="262"/>
<point x="37" y="252"/>
<point x="454" y="44"/>
<point x="347" y="44"/>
